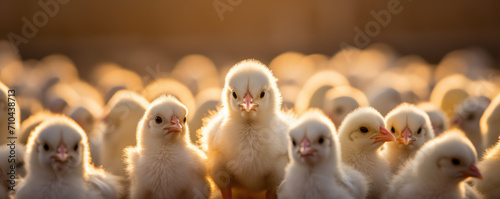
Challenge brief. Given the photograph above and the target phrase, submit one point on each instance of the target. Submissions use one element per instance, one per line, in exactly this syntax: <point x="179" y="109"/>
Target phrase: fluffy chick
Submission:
<point x="316" y="170"/>
<point x="361" y="136"/>
<point x="489" y="186"/>
<point x="246" y="140"/>
<point x="467" y="118"/>
<point x="439" y="120"/>
<point x="58" y="165"/>
<point x="439" y="170"/>
<point x="340" y="101"/>
<point x="11" y="160"/>
<point x="412" y="128"/>
<point x="123" y="112"/>
<point x="165" y="164"/>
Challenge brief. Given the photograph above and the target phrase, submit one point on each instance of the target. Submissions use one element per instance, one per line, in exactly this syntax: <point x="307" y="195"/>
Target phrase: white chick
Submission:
<point x="489" y="186"/>
<point x="490" y="127"/>
<point x="467" y="118"/>
<point x="439" y="170"/>
<point x="384" y="99"/>
<point x="341" y="100"/>
<point x="316" y="170"/>
<point x="361" y="136"/>
<point x="9" y="115"/>
<point x="438" y="118"/>
<point x="449" y="92"/>
<point x="123" y="112"/>
<point x="197" y="72"/>
<point x="246" y="140"/>
<point x="110" y="78"/>
<point x="207" y="101"/>
<point x="12" y="168"/>
<point x="313" y="92"/>
<point x="412" y="128"/>
<point x="165" y="164"/>
<point x="58" y="165"/>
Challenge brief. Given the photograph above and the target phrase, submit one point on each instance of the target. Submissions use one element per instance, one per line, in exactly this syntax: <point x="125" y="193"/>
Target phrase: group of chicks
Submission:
<point x="260" y="136"/>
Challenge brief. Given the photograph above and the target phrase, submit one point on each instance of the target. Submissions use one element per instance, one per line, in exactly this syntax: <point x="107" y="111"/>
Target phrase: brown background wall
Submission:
<point x="150" y="32"/>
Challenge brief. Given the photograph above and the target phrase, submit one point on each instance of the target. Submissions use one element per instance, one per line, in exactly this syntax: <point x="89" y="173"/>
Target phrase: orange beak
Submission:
<point x="248" y="104"/>
<point x="305" y="148"/>
<point x="405" y="136"/>
<point x="175" y="125"/>
<point x="385" y="136"/>
<point x="472" y="172"/>
<point x="62" y="153"/>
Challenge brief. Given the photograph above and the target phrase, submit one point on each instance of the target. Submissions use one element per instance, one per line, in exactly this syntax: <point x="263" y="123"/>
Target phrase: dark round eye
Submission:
<point x="419" y="130"/>
<point x="363" y="129"/>
<point x="46" y="147"/>
<point x="184" y="119"/>
<point x="339" y="110"/>
<point x="293" y="142"/>
<point x="234" y="95"/>
<point x="76" y="147"/>
<point x="262" y="94"/>
<point x="455" y="161"/>
<point x="321" y="140"/>
<point x="392" y="130"/>
<point x="469" y="116"/>
<point x="158" y="119"/>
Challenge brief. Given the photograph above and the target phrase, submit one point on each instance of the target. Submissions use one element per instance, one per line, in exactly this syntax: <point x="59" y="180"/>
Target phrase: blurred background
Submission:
<point x="136" y="34"/>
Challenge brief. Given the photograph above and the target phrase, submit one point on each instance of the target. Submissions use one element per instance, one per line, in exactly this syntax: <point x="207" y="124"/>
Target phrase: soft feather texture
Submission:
<point x="341" y="100"/>
<point x="439" y="120"/>
<point x="50" y="174"/>
<point x="467" y="118"/>
<point x="357" y="136"/>
<point x="320" y="174"/>
<point x="9" y="160"/>
<point x="249" y="148"/>
<point x="437" y="170"/>
<point x="123" y="112"/>
<point x="489" y="186"/>
<point x="165" y="164"/>
<point x="406" y="116"/>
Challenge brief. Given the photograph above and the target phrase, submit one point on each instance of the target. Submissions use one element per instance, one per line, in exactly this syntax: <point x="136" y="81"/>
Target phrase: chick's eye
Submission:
<point x="46" y="147"/>
<point x="184" y="119"/>
<point x="262" y="94"/>
<point x="419" y="130"/>
<point x="76" y="147"/>
<point x="455" y="161"/>
<point x="293" y="142"/>
<point x="158" y="119"/>
<point x="363" y="129"/>
<point x="234" y="95"/>
<point x="392" y="130"/>
<point x="321" y="140"/>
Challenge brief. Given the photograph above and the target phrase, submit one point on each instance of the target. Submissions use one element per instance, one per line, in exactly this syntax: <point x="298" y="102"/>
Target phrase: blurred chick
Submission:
<point x="490" y="127"/>
<point x="123" y="112"/>
<point x="412" y="128"/>
<point x="246" y="140"/>
<point x="340" y="101"/>
<point x="384" y="99"/>
<point x="489" y="186"/>
<point x="361" y="136"/>
<point x="439" y="170"/>
<point x="164" y="164"/>
<point x="439" y="120"/>
<point x="449" y="92"/>
<point x="9" y="114"/>
<point x="110" y="78"/>
<point x="467" y="118"/>
<point x="316" y="170"/>
<point x="58" y="165"/>
<point x="313" y="92"/>
<point x="207" y="101"/>
<point x="31" y="123"/>
<point x="197" y="72"/>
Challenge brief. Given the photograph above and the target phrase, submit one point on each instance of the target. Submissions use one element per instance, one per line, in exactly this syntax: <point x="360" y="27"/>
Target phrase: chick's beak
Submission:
<point x="248" y="104"/>
<point x="305" y="148"/>
<point x="175" y="125"/>
<point x="472" y="172"/>
<point x="405" y="136"/>
<point x="61" y="154"/>
<point x="385" y="136"/>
